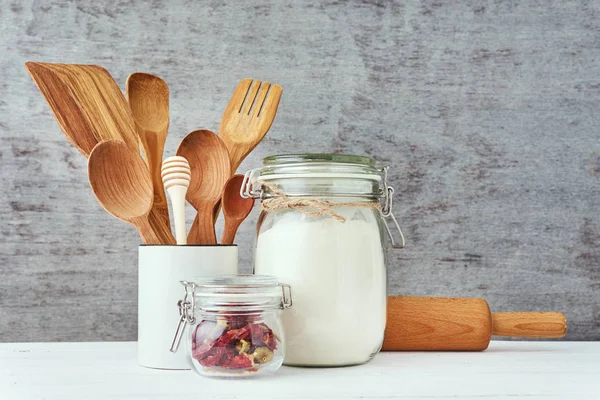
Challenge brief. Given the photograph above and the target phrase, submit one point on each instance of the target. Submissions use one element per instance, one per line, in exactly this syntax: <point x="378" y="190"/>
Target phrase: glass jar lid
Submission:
<point x="318" y="157"/>
<point x="236" y="293"/>
<point x="334" y="166"/>
<point x="316" y="175"/>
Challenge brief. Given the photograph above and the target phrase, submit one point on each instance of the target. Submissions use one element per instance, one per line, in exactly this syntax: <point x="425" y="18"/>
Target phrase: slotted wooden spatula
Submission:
<point x="248" y="117"/>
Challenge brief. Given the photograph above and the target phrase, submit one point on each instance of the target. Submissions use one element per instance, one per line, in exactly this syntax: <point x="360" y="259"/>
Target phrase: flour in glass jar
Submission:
<point x="337" y="273"/>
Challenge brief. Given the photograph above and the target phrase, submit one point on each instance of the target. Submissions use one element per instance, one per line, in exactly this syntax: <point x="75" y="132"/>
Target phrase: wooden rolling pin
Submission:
<point x="439" y="323"/>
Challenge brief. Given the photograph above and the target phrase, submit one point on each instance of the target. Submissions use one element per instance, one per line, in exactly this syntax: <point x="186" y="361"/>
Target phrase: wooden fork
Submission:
<point x="248" y="117"/>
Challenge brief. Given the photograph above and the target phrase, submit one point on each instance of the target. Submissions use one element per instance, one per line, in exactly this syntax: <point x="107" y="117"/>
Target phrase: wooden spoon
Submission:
<point x="248" y="117"/>
<point x="235" y="208"/>
<point x="148" y="97"/>
<point x="210" y="166"/>
<point x="122" y="184"/>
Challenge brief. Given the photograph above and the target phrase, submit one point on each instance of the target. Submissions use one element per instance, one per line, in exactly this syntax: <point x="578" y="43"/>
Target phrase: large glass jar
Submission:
<point x="235" y="324"/>
<point x="322" y="230"/>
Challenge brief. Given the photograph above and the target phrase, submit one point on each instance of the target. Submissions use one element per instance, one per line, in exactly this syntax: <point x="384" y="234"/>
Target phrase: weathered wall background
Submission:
<point x="488" y="112"/>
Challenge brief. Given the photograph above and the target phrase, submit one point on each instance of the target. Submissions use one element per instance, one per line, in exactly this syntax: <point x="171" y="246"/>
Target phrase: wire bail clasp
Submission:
<point x="186" y="313"/>
<point x="286" y="296"/>
<point x="386" y="211"/>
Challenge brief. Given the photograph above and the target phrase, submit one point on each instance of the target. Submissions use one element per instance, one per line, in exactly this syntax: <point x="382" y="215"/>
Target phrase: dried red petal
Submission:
<point x="240" y="361"/>
<point x="205" y="336"/>
<point x="208" y="331"/>
<point x="227" y="358"/>
<point x="214" y="343"/>
<point x="202" y="350"/>
<point x="237" y="334"/>
<point x="211" y="360"/>
<point x="214" y="357"/>
<point x="263" y="335"/>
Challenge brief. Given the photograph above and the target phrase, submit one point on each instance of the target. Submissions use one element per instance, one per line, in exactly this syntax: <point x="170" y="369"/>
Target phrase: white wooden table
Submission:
<point x="507" y="370"/>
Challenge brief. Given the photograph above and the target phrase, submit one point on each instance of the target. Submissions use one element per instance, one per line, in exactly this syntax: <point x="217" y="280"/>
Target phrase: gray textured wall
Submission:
<point x="488" y="112"/>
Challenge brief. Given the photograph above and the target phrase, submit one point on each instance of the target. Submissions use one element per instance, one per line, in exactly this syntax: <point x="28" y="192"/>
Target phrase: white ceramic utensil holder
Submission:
<point x="161" y="268"/>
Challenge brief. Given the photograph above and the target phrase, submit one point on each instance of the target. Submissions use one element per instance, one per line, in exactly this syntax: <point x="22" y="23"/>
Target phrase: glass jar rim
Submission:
<point x="319" y="165"/>
<point x="240" y="293"/>
<point x="236" y="281"/>
<point x="292" y="158"/>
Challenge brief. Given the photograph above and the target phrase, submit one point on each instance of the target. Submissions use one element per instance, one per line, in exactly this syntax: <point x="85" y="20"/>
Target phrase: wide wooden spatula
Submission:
<point x="87" y="103"/>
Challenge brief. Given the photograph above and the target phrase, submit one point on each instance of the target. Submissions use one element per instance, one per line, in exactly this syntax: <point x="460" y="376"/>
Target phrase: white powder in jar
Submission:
<point x="338" y="279"/>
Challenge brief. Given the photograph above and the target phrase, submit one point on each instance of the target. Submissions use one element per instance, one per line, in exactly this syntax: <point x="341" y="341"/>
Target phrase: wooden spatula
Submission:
<point x="248" y="117"/>
<point x="438" y="323"/>
<point x="86" y="103"/>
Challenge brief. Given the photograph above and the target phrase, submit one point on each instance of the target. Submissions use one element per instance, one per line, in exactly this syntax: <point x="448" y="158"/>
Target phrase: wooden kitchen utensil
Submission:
<point x="210" y="165"/>
<point x="63" y="104"/>
<point x="121" y="182"/>
<point x="90" y="108"/>
<point x="176" y="176"/>
<point x="148" y="97"/>
<point x="86" y="102"/>
<point x="235" y="208"/>
<point x="437" y="323"/>
<point x="248" y="117"/>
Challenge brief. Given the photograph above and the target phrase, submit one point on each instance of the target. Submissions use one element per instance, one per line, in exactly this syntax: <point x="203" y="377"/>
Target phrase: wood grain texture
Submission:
<point x="235" y="208"/>
<point x="148" y="97"/>
<point x="248" y="117"/>
<point x="122" y="184"/>
<point x="210" y="169"/>
<point x="455" y="324"/>
<point x="86" y="102"/>
<point x="426" y="323"/>
<point x="486" y="112"/>
<point x="530" y="325"/>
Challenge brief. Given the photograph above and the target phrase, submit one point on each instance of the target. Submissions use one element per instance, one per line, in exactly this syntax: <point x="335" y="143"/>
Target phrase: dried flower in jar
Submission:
<point x="233" y="343"/>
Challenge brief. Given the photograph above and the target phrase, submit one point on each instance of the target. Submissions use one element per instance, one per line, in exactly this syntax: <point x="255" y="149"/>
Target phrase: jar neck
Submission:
<point x="239" y="303"/>
<point x="322" y="187"/>
<point x="235" y="311"/>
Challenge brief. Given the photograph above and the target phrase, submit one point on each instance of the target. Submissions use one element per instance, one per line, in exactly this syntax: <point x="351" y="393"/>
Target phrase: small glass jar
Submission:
<point x="323" y="231"/>
<point x="235" y="324"/>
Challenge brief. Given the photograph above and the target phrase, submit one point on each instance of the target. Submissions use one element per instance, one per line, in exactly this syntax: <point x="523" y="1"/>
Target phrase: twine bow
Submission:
<point x="312" y="206"/>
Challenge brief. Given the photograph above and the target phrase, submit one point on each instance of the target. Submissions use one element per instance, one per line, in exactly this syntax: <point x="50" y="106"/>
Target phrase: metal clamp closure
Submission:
<point x="186" y="313"/>
<point x="250" y="189"/>
<point x="286" y="296"/>
<point x="386" y="211"/>
<point x="247" y="189"/>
